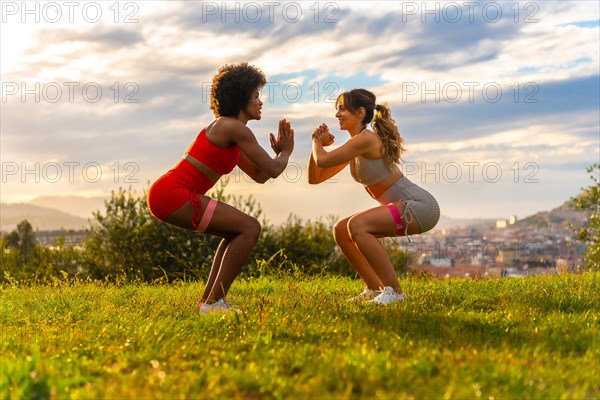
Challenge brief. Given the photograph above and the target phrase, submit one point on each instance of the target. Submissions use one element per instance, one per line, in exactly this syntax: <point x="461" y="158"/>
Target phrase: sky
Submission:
<point x="498" y="102"/>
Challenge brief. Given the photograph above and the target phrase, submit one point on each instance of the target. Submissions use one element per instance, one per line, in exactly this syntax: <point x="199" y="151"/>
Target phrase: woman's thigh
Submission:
<point x="380" y="222"/>
<point x="226" y="221"/>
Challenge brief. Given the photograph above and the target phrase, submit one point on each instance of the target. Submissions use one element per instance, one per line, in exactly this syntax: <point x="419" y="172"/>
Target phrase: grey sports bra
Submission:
<point x="370" y="171"/>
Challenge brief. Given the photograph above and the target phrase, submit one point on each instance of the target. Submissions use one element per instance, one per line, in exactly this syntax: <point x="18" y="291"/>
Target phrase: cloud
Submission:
<point x="103" y="37"/>
<point x="494" y="111"/>
<point x="547" y="70"/>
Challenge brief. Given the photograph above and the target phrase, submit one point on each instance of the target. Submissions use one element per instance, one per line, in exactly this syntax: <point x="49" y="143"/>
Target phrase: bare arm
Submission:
<point x="255" y="161"/>
<point x="317" y="174"/>
<point x="252" y="170"/>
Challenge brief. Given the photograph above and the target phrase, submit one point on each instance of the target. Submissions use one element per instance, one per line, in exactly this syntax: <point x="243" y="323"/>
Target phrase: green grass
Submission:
<point x="296" y="337"/>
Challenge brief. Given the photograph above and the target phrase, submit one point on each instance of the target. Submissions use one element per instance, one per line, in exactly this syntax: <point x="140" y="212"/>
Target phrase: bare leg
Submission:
<point x="365" y="229"/>
<point x="240" y="232"/>
<point x="214" y="270"/>
<point x="354" y="256"/>
<point x="243" y="232"/>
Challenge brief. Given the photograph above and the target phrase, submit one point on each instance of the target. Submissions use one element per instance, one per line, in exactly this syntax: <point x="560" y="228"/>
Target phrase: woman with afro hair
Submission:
<point x="178" y="197"/>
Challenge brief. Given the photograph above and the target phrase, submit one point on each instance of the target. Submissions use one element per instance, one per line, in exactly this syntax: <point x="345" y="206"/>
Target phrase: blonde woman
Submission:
<point x="374" y="156"/>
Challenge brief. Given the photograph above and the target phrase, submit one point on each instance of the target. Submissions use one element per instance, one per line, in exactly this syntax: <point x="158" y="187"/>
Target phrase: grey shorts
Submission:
<point x="417" y="200"/>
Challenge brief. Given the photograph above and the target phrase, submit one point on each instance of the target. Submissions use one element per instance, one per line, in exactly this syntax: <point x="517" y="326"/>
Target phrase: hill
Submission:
<point x="562" y="216"/>
<point x="448" y="222"/>
<point x="75" y="205"/>
<point x="73" y="212"/>
<point x="41" y="218"/>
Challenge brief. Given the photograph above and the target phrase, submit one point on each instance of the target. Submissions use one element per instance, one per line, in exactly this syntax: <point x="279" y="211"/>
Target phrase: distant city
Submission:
<point x="540" y="244"/>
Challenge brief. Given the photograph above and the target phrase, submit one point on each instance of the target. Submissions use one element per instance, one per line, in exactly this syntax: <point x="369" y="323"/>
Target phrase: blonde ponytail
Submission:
<point x="385" y="127"/>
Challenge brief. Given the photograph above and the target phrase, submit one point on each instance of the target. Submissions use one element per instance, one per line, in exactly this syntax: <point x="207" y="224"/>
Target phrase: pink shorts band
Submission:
<point x="207" y="216"/>
<point x="397" y="219"/>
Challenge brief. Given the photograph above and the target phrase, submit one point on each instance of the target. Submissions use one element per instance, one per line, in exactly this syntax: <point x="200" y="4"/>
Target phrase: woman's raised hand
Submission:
<point x="285" y="138"/>
<point x="323" y="135"/>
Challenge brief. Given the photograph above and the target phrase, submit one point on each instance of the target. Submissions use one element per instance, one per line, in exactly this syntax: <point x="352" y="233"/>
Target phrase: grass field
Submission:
<point x="297" y="337"/>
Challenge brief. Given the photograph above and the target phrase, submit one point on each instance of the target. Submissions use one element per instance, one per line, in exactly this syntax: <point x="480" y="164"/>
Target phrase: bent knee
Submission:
<point x="340" y="230"/>
<point x="251" y="228"/>
<point x="356" y="228"/>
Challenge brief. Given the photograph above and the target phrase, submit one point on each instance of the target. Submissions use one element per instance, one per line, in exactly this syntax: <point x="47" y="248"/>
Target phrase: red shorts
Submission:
<point x="172" y="190"/>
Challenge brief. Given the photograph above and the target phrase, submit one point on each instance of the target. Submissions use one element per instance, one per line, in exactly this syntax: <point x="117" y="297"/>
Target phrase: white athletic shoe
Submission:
<point x="388" y="296"/>
<point x="221" y="306"/>
<point x="366" y="295"/>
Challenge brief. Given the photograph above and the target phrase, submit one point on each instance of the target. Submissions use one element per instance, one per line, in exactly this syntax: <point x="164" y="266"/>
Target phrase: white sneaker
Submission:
<point x="365" y="295"/>
<point x="388" y="296"/>
<point x="221" y="306"/>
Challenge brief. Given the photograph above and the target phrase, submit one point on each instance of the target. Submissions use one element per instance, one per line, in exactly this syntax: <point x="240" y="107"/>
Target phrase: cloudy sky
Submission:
<point x="497" y="101"/>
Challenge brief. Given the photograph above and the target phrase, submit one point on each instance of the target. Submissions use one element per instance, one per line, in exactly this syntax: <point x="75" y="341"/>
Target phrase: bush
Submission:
<point x="36" y="263"/>
<point x="589" y="233"/>
<point x="127" y="242"/>
<point x="306" y="247"/>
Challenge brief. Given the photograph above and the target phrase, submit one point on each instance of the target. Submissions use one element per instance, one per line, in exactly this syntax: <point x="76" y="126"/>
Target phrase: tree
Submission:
<point x="22" y="258"/>
<point x="22" y="239"/>
<point x="12" y="240"/>
<point x="589" y="233"/>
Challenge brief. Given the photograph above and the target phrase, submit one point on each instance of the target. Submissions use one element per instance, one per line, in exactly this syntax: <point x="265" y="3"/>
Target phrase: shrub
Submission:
<point x="126" y="242"/>
<point x="589" y="233"/>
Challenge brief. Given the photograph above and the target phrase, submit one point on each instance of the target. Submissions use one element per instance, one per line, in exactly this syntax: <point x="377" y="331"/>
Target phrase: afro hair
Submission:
<point x="232" y="88"/>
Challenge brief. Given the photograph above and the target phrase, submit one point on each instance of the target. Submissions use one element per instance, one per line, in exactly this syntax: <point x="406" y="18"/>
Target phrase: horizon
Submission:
<point x="497" y="101"/>
<point x="64" y="209"/>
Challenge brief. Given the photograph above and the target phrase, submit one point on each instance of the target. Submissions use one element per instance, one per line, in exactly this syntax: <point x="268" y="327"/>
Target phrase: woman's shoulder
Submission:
<point x="373" y="143"/>
<point x="369" y="133"/>
<point x="226" y="131"/>
<point x="370" y="137"/>
<point x="226" y="124"/>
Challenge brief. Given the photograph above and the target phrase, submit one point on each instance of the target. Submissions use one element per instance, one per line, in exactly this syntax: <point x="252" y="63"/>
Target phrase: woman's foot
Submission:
<point x="220" y="306"/>
<point x="388" y="296"/>
<point x="366" y="295"/>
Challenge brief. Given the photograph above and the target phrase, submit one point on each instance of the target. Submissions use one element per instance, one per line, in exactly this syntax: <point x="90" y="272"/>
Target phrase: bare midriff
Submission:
<point x="379" y="188"/>
<point x="205" y="170"/>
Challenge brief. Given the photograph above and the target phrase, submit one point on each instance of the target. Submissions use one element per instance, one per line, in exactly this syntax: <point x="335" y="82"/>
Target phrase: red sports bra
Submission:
<point x="222" y="160"/>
